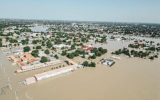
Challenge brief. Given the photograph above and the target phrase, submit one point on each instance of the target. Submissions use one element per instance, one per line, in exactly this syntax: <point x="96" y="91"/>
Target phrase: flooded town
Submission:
<point x="41" y="59"/>
<point x="79" y="50"/>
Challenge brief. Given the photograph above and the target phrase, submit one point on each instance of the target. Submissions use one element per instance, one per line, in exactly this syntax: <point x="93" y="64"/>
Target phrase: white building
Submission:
<point x="60" y="46"/>
<point x="108" y="62"/>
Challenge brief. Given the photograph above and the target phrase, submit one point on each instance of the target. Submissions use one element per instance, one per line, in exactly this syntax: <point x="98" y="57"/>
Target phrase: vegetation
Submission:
<point x="49" y="44"/>
<point x="26" y="49"/>
<point x="124" y="51"/>
<point x="38" y="47"/>
<point x="134" y="53"/>
<point x="11" y="40"/>
<point x="73" y="46"/>
<point x="35" y="41"/>
<point x="75" y="53"/>
<point x="93" y="57"/>
<point x="87" y="64"/>
<point x="24" y="42"/>
<point x="98" y="52"/>
<point x="35" y="53"/>
<point x="103" y="40"/>
<point x="70" y="55"/>
<point x="1" y="42"/>
<point x="44" y="59"/>
<point x="47" y="52"/>
<point x="56" y="56"/>
<point x="64" y="53"/>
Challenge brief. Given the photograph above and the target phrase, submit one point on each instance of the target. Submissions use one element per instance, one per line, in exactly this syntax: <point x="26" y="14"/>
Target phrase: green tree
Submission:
<point x="26" y="49"/>
<point x="85" y="63"/>
<point x="1" y="44"/>
<point x="38" y="47"/>
<point x="103" y="40"/>
<point x="56" y="56"/>
<point x="49" y="44"/>
<point x="35" y="53"/>
<point x="93" y="57"/>
<point x="44" y="59"/>
<point x="73" y="46"/>
<point x="64" y="53"/>
<point x="70" y="55"/>
<point x="47" y="52"/>
<point x="24" y="42"/>
<point x="92" y="64"/>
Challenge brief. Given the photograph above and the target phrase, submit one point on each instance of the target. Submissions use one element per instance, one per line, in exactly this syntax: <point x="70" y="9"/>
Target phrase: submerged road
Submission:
<point x="8" y="84"/>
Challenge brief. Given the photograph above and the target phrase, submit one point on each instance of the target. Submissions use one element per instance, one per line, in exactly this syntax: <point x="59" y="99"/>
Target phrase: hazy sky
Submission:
<point x="86" y="10"/>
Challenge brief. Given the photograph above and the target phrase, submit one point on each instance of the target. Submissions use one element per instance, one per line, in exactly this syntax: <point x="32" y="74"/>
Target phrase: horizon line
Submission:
<point x="91" y="21"/>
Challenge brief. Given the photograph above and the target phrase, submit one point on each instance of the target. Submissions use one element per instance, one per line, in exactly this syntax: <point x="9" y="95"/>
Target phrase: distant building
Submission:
<point x="60" y="46"/>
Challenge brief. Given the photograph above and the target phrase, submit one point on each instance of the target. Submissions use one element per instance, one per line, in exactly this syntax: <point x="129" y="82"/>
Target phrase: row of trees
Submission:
<point x="151" y="48"/>
<point x="136" y="46"/>
<point x="134" y="53"/>
<point x="87" y="64"/>
<point x="35" y="52"/>
<point x="124" y="51"/>
<point x="97" y="52"/>
<point x="74" y="54"/>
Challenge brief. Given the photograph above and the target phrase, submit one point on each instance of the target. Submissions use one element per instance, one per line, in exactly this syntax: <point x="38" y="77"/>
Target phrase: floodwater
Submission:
<point x="39" y="29"/>
<point x="128" y="79"/>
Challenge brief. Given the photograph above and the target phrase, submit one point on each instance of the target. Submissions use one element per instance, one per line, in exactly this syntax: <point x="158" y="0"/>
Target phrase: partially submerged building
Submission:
<point x="49" y="74"/>
<point x="22" y="59"/>
<point x="38" y="66"/>
<point x="108" y="62"/>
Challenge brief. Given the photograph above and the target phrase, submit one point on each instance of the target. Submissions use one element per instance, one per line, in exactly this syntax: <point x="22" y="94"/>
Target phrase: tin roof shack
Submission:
<point x="108" y="62"/>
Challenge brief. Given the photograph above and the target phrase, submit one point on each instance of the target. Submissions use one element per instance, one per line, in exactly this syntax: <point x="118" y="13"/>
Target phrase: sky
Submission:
<point x="147" y="11"/>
